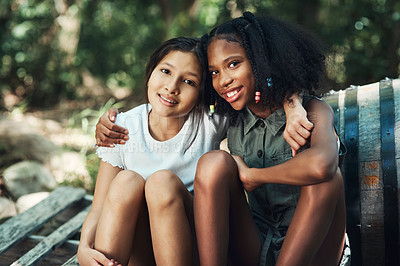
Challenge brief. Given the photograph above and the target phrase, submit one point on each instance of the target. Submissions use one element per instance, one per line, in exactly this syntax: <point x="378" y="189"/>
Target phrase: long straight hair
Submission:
<point x="186" y="45"/>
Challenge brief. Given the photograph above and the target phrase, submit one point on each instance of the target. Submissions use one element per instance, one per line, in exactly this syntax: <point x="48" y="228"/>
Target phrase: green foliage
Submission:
<point x="87" y="119"/>
<point x="45" y="46"/>
<point x="30" y="58"/>
<point x="92" y="165"/>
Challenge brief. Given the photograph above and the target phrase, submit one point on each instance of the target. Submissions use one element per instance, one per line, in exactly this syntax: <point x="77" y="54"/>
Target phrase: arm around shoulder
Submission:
<point x="314" y="165"/>
<point x="322" y="156"/>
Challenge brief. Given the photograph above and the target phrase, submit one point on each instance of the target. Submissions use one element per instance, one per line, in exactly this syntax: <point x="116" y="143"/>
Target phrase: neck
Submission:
<point x="163" y="128"/>
<point x="263" y="111"/>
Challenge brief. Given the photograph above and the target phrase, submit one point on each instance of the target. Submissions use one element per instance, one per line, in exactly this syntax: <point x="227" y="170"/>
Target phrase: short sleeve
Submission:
<point x="111" y="156"/>
<point x="221" y="123"/>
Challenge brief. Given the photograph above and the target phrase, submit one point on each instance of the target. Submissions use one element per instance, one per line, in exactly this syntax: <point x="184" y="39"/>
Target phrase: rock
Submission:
<point x="28" y="177"/>
<point x="21" y="142"/>
<point x="27" y="201"/>
<point x="69" y="166"/>
<point x="7" y="208"/>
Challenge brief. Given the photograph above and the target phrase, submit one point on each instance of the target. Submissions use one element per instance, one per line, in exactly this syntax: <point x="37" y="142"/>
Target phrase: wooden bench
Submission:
<point x="23" y="238"/>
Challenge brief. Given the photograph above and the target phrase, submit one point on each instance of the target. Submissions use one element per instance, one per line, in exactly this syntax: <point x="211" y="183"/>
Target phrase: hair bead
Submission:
<point x="258" y="96"/>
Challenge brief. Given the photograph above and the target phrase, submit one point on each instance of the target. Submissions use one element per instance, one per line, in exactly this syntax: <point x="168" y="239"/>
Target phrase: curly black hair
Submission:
<point x="285" y="58"/>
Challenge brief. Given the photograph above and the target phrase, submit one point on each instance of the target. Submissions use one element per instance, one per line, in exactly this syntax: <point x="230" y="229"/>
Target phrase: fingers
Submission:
<point x="298" y="133"/>
<point x="99" y="258"/>
<point x="302" y="128"/>
<point x="294" y="145"/>
<point x="238" y="160"/>
<point x="112" y="113"/>
<point x="108" y="138"/>
<point x="306" y="124"/>
<point x="294" y="152"/>
<point x="107" y="123"/>
<point x="114" y="263"/>
<point x="110" y="133"/>
<point x="107" y="132"/>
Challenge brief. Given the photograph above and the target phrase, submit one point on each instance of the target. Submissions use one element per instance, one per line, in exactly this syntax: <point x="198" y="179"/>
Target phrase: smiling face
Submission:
<point x="232" y="75"/>
<point x="174" y="84"/>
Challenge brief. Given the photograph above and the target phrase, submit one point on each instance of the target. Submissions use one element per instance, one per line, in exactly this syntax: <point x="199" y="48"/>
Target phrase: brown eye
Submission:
<point x="214" y="72"/>
<point x="189" y="82"/>
<point x="233" y="64"/>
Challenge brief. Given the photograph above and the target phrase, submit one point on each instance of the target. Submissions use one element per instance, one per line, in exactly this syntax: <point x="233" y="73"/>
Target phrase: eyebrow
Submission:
<point x="188" y="72"/>
<point x="227" y="60"/>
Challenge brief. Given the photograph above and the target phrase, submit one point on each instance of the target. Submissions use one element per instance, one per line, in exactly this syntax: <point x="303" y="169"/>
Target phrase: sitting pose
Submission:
<point x="144" y="186"/>
<point x="142" y="210"/>
<point x="294" y="212"/>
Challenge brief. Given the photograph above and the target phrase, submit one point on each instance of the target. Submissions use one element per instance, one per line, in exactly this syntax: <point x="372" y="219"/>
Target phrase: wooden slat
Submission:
<point x="54" y="240"/>
<point x="396" y="88"/>
<point x="371" y="181"/>
<point x="72" y="262"/>
<point x="17" y="228"/>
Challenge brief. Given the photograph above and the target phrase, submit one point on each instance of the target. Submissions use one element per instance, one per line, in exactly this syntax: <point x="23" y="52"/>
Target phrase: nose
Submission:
<point x="173" y="86"/>
<point x="224" y="79"/>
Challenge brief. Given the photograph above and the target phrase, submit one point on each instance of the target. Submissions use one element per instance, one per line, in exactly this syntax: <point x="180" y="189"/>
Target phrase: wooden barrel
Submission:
<point x="368" y="122"/>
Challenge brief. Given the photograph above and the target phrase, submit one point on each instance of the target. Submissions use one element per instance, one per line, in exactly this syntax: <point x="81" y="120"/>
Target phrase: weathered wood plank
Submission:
<point x="369" y="148"/>
<point x="17" y="228"/>
<point x="72" y="262"/>
<point x="396" y="91"/>
<point x="54" y="240"/>
<point x="372" y="213"/>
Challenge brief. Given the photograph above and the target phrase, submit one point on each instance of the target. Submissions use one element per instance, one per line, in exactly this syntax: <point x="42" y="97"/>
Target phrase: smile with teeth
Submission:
<point x="232" y="93"/>
<point x="167" y="100"/>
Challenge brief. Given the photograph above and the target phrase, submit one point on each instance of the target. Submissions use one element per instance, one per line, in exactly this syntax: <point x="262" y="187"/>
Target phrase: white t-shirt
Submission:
<point x="145" y="155"/>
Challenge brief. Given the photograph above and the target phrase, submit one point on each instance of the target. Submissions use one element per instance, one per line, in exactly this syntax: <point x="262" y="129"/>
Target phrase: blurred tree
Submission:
<point x="37" y="50"/>
<point x="48" y="49"/>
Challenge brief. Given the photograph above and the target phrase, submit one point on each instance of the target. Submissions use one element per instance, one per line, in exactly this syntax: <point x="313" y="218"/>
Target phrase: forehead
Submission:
<point x="220" y="49"/>
<point x="182" y="61"/>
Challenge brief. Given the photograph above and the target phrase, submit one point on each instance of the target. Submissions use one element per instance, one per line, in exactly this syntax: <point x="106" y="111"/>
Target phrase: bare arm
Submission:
<point x="87" y="255"/>
<point x="298" y="127"/>
<point x="107" y="132"/>
<point x="313" y="165"/>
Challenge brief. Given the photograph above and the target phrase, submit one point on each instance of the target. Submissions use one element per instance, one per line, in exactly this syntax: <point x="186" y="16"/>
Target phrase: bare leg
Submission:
<point x="316" y="233"/>
<point x="116" y="227"/>
<point x="224" y="226"/>
<point x="170" y="208"/>
<point x="142" y="251"/>
<point x="331" y="249"/>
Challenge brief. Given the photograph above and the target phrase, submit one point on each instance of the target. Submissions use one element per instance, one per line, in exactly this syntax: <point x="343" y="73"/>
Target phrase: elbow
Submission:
<point x="324" y="168"/>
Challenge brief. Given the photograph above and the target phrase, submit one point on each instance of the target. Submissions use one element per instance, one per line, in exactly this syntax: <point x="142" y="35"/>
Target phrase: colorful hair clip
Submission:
<point x="269" y="82"/>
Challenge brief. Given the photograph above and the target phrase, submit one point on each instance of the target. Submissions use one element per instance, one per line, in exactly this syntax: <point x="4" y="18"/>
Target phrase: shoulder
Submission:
<point x="320" y="114"/>
<point x="318" y="105"/>
<point x="140" y="109"/>
<point x="218" y="120"/>
<point x="137" y="113"/>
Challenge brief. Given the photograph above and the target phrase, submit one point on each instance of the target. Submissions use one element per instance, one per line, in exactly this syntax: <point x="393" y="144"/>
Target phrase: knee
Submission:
<point x="329" y="191"/>
<point x="162" y="189"/>
<point x="126" y="189"/>
<point x="214" y="169"/>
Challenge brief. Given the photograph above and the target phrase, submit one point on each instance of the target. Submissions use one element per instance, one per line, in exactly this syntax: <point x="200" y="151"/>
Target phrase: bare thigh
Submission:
<point x="331" y="249"/>
<point x="223" y="219"/>
<point x="170" y="208"/>
<point x="142" y="249"/>
<point x="316" y="232"/>
<point x="116" y="227"/>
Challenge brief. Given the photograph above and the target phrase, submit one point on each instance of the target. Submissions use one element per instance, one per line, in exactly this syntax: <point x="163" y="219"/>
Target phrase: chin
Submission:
<point x="237" y="106"/>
